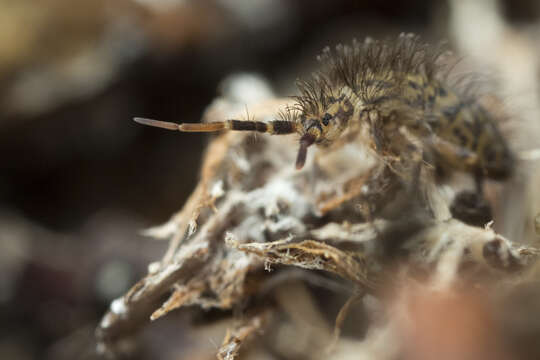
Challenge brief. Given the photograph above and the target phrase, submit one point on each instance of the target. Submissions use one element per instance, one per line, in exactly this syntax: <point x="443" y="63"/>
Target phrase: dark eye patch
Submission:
<point x="326" y="119"/>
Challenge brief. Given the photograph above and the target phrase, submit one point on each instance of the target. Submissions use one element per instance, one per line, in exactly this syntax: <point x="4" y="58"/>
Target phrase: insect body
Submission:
<point x="464" y="136"/>
<point x="394" y="88"/>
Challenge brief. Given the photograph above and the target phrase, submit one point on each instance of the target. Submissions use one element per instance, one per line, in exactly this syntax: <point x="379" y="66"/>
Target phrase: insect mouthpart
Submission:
<point x="314" y="128"/>
<point x="305" y="141"/>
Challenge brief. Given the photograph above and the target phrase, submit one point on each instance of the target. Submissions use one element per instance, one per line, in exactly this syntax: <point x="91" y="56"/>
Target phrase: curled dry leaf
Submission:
<point x="313" y="255"/>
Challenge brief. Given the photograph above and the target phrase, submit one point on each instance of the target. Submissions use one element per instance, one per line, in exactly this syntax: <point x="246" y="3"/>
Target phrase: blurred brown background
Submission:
<point x="79" y="179"/>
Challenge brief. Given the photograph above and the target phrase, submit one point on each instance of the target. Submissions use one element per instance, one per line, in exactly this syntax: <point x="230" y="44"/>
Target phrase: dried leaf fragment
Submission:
<point x="314" y="255"/>
<point x="181" y="296"/>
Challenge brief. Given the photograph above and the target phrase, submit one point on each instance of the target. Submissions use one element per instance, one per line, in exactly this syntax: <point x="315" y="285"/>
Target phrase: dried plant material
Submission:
<point x="128" y="312"/>
<point x="467" y="245"/>
<point x="235" y="338"/>
<point x="181" y="296"/>
<point x="200" y="198"/>
<point x="312" y="255"/>
<point x="262" y="200"/>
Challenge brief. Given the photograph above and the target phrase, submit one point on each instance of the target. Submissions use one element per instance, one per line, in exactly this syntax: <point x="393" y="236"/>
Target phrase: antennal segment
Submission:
<point x="157" y="123"/>
<point x="204" y="127"/>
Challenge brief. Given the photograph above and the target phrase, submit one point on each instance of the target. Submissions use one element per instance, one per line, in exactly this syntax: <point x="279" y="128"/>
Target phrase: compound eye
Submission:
<point x="326" y="119"/>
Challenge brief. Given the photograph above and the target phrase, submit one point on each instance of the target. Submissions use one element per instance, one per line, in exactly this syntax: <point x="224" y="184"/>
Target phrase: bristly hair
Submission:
<point x="315" y="94"/>
<point x="372" y="69"/>
<point x="290" y="113"/>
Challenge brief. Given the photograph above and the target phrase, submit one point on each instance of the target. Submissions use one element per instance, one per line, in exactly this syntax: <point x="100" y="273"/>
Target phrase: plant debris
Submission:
<point x="345" y="221"/>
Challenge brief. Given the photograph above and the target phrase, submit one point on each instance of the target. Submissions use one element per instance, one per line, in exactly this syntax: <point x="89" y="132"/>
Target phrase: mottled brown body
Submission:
<point x="455" y="131"/>
<point x="459" y="135"/>
<point x="465" y="134"/>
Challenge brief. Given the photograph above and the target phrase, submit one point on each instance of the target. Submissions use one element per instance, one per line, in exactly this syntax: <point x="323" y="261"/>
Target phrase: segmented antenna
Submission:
<point x="275" y="127"/>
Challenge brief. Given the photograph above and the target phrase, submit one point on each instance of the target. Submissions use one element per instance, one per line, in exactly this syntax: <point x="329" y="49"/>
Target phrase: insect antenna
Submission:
<point x="275" y="127"/>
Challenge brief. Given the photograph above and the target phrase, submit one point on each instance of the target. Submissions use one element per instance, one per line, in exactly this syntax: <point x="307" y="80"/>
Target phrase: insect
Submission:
<point x="396" y="88"/>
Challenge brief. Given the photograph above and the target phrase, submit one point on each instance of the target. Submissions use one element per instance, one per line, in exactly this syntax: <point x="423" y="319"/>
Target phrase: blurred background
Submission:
<point x="79" y="180"/>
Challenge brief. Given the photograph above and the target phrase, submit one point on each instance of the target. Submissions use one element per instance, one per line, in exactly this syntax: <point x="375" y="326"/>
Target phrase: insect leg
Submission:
<point x="453" y="154"/>
<point x="355" y="189"/>
<point x="471" y="208"/>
